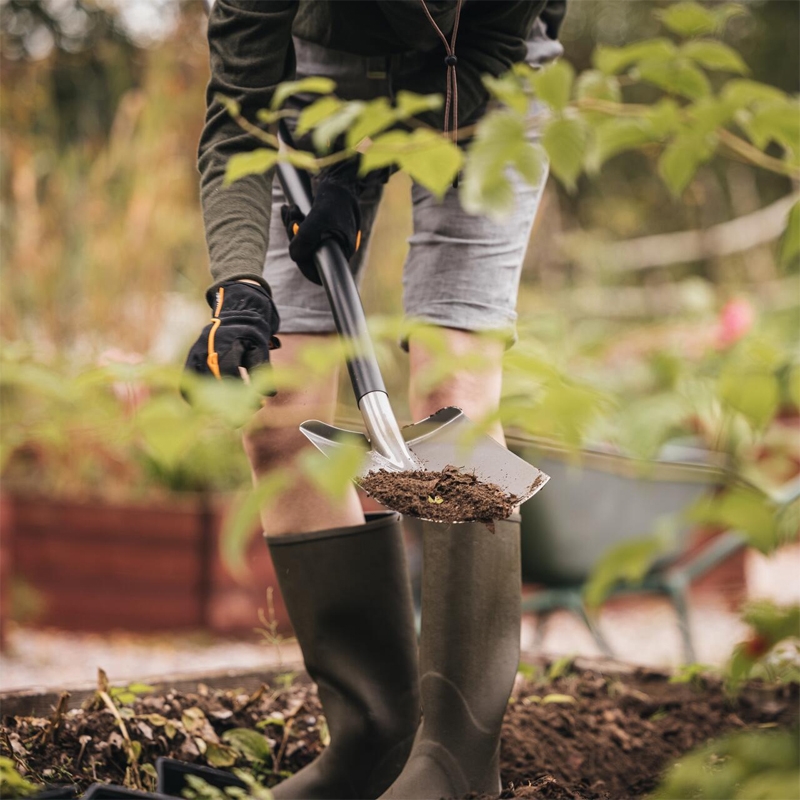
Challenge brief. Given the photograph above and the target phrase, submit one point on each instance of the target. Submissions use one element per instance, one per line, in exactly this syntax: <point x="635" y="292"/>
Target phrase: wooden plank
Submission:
<point x="40" y="701"/>
<point x="60" y="560"/>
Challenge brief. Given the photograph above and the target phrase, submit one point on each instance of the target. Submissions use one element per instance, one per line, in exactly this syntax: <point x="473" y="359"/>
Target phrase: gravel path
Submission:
<point x="640" y="631"/>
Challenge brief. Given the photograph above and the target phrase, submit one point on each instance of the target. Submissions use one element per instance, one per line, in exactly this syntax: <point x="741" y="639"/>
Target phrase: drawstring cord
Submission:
<point x="451" y="95"/>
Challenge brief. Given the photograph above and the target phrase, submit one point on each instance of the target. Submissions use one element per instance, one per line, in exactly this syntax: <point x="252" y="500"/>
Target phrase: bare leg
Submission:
<point x="274" y="441"/>
<point x="475" y="392"/>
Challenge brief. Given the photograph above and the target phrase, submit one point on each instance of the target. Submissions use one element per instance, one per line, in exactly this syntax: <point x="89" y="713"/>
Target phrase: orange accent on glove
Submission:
<point x="213" y="356"/>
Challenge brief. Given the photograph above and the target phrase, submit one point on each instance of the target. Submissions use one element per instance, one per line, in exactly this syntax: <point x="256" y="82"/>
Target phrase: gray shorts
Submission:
<point x="462" y="271"/>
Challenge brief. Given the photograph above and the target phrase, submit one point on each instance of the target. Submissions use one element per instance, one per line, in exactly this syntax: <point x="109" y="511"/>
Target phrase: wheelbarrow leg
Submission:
<point x="676" y="589"/>
<point x="542" y="618"/>
<point x="580" y="610"/>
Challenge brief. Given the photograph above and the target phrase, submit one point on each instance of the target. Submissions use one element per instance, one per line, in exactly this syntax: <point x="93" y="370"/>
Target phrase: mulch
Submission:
<point x="582" y="736"/>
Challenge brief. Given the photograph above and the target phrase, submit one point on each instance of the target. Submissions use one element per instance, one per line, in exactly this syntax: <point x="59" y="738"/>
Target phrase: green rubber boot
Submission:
<point x="349" y="599"/>
<point x="469" y="656"/>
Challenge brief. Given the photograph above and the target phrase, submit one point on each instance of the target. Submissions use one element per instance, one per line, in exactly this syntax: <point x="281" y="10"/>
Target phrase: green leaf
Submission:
<point x="794" y="385"/>
<point x="268" y="117"/>
<point x="241" y="520"/>
<point x="508" y="90"/>
<point x="648" y="422"/>
<point x="384" y="150"/>
<point x="756" y="395"/>
<point x="499" y="140"/>
<point x="618" y="135"/>
<point x="220" y="756"/>
<point x="772" y="621"/>
<point x="410" y="104"/>
<point x="612" y="60"/>
<point x="530" y="161"/>
<point x="312" y="85"/>
<point x="553" y="84"/>
<point x="681" y="158"/>
<point x="565" y="141"/>
<point x="664" y="116"/>
<point x="229" y="104"/>
<point x="776" y="121"/>
<point x="678" y="76"/>
<point x="168" y="429"/>
<point x="742" y="92"/>
<point x="688" y="19"/>
<point x="558" y="698"/>
<point x="327" y="131"/>
<point x="431" y="160"/>
<point x="300" y="159"/>
<point x="333" y="474"/>
<point x="790" y="241"/>
<point x="715" y="55"/>
<point x="376" y="116"/>
<point x="598" y="86"/>
<point x="256" y="162"/>
<point x="741" y="509"/>
<point x="707" y="114"/>
<point x="319" y="110"/>
<point x="250" y="744"/>
<point x="627" y="562"/>
<point x="140" y="688"/>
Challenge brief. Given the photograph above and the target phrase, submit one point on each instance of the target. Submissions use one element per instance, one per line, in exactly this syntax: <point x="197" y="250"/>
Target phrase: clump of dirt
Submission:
<point x="590" y="736"/>
<point x="446" y="496"/>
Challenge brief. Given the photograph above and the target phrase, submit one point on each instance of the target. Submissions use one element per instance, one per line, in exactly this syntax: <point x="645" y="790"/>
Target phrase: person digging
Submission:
<point x="343" y="576"/>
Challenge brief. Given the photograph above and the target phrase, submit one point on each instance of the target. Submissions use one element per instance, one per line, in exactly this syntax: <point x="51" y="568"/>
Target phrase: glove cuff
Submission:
<point x="228" y="279"/>
<point x="262" y="289"/>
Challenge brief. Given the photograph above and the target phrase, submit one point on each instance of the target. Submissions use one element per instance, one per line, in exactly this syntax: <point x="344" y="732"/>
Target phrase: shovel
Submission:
<point x="445" y="438"/>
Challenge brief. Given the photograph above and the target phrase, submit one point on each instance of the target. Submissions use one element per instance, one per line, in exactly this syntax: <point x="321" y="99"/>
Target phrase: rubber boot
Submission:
<point x="469" y="654"/>
<point x="349" y="599"/>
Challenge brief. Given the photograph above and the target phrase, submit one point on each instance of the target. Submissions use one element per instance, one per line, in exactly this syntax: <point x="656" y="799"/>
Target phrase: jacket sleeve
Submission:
<point x="251" y="51"/>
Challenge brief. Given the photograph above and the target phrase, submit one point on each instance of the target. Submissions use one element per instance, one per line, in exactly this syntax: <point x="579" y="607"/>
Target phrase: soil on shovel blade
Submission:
<point x="446" y="496"/>
<point x="583" y="736"/>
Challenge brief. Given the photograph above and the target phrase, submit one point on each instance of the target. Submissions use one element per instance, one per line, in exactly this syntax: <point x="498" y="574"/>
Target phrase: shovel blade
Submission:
<point x="446" y="438"/>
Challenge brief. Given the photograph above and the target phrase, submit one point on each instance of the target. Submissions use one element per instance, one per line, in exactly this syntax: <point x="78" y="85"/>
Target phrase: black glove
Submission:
<point x="334" y="215"/>
<point x="241" y="332"/>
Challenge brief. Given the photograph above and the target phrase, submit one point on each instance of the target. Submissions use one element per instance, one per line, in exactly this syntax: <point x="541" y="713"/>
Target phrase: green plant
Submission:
<point x="12" y="784"/>
<point x="771" y="627"/>
<point x="269" y="633"/>
<point x="754" y="765"/>
<point x="585" y="122"/>
<point x="199" y="789"/>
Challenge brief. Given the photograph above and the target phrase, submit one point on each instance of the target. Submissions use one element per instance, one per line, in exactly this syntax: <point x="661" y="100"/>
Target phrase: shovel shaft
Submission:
<point x="340" y="286"/>
<point x="351" y="323"/>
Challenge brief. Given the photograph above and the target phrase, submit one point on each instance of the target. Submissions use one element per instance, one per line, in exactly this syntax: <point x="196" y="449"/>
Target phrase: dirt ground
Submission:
<point x="586" y="735"/>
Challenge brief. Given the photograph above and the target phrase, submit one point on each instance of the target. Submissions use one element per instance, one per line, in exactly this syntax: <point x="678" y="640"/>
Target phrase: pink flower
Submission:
<point x="735" y="321"/>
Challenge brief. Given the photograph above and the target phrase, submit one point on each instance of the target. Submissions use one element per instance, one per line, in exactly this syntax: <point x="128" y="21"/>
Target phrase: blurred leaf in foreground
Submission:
<point x="752" y="765"/>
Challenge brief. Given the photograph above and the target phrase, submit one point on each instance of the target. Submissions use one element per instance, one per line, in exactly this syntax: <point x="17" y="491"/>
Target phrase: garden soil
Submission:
<point x="446" y="496"/>
<point x="585" y="736"/>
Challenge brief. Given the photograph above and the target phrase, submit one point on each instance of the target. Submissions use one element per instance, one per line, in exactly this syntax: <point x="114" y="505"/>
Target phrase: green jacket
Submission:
<point x="251" y="50"/>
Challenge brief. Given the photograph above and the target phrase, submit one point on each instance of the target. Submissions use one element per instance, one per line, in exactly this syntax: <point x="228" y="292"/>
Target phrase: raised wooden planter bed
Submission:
<point x="138" y="568"/>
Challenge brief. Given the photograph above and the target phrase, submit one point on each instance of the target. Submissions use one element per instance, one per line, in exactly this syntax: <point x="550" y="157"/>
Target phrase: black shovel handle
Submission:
<point x="340" y="286"/>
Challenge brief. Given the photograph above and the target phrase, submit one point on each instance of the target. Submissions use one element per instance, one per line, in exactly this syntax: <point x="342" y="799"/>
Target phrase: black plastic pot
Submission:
<point x="172" y="777"/>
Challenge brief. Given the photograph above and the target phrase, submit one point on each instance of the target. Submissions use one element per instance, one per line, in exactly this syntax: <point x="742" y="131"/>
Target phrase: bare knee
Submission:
<point x="270" y="448"/>
<point x="439" y="379"/>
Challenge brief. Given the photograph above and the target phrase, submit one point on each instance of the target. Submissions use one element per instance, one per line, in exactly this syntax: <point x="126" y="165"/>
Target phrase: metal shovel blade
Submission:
<point x="446" y="438"/>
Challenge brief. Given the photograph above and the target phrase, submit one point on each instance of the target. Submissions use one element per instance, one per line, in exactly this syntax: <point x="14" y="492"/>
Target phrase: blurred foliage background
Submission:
<point x="104" y="262"/>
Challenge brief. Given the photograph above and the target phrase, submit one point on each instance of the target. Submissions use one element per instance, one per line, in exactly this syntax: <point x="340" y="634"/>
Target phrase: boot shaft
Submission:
<point x="349" y="599"/>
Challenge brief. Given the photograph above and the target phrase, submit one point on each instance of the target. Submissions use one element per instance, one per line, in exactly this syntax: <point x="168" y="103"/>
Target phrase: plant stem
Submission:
<point x="734" y="143"/>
